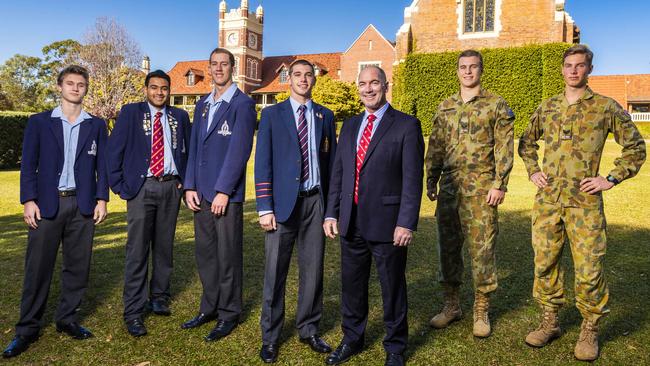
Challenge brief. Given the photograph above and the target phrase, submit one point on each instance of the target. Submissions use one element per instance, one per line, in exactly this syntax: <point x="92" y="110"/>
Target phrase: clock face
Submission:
<point x="252" y="40"/>
<point x="233" y="38"/>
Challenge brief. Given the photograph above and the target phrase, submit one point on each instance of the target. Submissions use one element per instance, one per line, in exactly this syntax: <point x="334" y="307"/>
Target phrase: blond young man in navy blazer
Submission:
<point x="64" y="190"/>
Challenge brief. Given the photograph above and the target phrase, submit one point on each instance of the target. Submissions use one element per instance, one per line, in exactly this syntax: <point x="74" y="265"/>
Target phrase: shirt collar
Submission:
<point x="58" y="113"/>
<point x="225" y="97"/>
<point x="378" y="114"/>
<point x="155" y="110"/>
<point x="295" y="105"/>
<point x="459" y="99"/>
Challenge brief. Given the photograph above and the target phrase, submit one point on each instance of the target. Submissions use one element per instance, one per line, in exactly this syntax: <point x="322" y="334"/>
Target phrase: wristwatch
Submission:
<point x="612" y="179"/>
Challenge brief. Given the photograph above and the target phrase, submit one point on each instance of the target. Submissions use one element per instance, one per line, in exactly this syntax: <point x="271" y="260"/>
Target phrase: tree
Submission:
<point x="336" y="95"/>
<point x="20" y="80"/>
<point x="111" y="57"/>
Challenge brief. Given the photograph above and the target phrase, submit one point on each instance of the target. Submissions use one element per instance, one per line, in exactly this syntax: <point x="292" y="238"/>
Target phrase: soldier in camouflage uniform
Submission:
<point x="569" y="204"/>
<point x="470" y="157"/>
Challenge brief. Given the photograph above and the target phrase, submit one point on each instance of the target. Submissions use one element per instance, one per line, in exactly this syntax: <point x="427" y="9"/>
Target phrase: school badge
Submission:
<point x="93" y="149"/>
<point x="224" y="130"/>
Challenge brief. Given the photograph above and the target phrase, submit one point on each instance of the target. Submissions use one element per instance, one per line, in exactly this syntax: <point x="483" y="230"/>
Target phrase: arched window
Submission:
<point x="478" y="16"/>
<point x="236" y="70"/>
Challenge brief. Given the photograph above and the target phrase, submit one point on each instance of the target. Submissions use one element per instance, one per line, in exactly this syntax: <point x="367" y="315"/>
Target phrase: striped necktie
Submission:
<point x="303" y="141"/>
<point x="361" y="153"/>
<point x="157" y="164"/>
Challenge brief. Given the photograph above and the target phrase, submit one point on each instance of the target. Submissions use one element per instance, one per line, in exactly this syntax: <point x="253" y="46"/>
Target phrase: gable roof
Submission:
<point x="178" y="74"/>
<point x="370" y="28"/>
<point x="330" y="62"/>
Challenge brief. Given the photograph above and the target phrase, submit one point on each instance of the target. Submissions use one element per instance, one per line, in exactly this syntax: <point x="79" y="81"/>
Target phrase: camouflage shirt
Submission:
<point x="574" y="136"/>
<point x="471" y="145"/>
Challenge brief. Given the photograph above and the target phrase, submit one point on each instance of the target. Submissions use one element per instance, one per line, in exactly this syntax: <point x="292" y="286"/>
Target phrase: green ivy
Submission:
<point x="12" y="127"/>
<point x="524" y="76"/>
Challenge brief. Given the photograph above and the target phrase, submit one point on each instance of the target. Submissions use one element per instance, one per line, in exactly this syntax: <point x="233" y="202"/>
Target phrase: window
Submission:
<point x="479" y="16"/>
<point x="190" y="79"/>
<point x="177" y="100"/>
<point x="236" y="70"/>
<point x="284" y="75"/>
<point x="370" y="45"/>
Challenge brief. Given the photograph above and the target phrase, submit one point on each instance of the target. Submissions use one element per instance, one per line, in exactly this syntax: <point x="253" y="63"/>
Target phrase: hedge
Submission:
<point x="524" y="76"/>
<point x="12" y="126"/>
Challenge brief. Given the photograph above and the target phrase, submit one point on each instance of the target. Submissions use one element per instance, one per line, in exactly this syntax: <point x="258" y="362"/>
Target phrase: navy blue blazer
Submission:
<point x="217" y="158"/>
<point x="42" y="163"/>
<point x="278" y="159"/>
<point x="390" y="180"/>
<point x="129" y="146"/>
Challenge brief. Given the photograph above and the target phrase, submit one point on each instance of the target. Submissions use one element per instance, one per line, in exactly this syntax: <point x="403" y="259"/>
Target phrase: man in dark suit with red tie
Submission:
<point x="375" y="194"/>
<point x="147" y="153"/>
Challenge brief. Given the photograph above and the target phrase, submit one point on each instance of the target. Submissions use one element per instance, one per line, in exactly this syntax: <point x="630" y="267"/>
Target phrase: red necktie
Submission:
<point x="361" y="153"/>
<point x="157" y="148"/>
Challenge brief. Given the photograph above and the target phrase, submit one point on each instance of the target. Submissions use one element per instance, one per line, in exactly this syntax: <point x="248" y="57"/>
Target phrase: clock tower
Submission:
<point x="240" y="32"/>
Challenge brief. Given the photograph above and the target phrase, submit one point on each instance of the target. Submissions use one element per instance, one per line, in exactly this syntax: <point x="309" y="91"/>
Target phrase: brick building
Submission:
<point x="242" y="33"/>
<point x="448" y="25"/>
<point x="630" y="91"/>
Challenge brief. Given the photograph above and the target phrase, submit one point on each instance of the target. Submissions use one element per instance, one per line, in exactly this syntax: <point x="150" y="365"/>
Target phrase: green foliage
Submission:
<point x="12" y="126"/>
<point x="524" y="76"/>
<point x="338" y="96"/>
<point x="20" y="78"/>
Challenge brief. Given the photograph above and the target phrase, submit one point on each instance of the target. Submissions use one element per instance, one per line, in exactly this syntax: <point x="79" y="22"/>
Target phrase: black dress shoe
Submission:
<point x="18" y="345"/>
<point x="269" y="353"/>
<point x="136" y="328"/>
<point x="317" y="344"/>
<point x="394" y="359"/>
<point x="160" y="307"/>
<point x="221" y="330"/>
<point x="197" y="321"/>
<point x="342" y="353"/>
<point x="74" y="330"/>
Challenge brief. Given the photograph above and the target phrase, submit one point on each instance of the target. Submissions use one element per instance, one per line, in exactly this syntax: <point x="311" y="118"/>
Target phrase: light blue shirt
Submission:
<point x="379" y="114"/>
<point x="70" y="139"/>
<point x="169" y="166"/>
<point x="215" y="104"/>
<point x="314" y="172"/>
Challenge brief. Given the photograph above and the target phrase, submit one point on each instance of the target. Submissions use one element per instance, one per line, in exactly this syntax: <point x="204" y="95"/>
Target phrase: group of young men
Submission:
<point x="365" y="186"/>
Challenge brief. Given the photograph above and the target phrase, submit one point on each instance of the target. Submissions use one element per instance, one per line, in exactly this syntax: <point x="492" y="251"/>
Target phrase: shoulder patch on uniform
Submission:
<point x="510" y="112"/>
<point x="623" y="115"/>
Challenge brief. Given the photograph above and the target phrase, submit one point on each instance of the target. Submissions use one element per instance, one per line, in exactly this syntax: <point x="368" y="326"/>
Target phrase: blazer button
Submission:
<point x="142" y="176"/>
<point x="146" y="159"/>
<point x="297" y="178"/>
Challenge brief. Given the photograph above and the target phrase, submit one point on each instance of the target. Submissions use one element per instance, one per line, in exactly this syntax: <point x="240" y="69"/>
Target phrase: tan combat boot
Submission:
<point x="548" y="330"/>
<point x="482" y="326"/>
<point x="450" y="311"/>
<point x="587" y="346"/>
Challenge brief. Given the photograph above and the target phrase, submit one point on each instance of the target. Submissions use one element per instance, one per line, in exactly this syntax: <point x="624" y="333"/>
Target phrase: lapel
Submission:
<point x="286" y="114"/>
<point x="355" y="128"/>
<point x="318" y="124"/>
<point x="57" y="130"/>
<point x="384" y="125"/>
<point x="223" y="108"/>
<point x="84" y="131"/>
<point x="146" y="127"/>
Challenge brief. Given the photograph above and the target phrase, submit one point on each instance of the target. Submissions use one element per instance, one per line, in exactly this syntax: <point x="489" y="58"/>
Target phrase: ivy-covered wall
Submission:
<point x="524" y="76"/>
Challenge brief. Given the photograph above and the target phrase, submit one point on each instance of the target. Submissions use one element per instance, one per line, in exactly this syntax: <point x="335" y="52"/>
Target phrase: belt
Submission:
<point x="308" y="193"/>
<point x="67" y="193"/>
<point x="164" y="178"/>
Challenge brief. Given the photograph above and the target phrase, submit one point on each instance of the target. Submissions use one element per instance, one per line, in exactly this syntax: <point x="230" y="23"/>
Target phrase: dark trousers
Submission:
<point x="219" y="259"/>
<point x="356" y="257"/>
<point x="151" y="217"/>
<point x="76" y="232"/>
<point x="305" y="228"/>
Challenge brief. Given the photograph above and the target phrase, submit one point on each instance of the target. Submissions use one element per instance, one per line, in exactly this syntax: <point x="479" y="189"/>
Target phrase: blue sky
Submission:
<point x="173" y="30"/>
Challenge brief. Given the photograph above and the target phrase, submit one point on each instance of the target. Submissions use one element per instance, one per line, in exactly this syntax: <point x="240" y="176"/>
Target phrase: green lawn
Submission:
<point x="625" y="332"/>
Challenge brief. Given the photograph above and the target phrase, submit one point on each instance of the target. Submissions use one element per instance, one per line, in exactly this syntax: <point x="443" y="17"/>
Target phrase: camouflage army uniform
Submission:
<point x="470" y="151"/>
<point x="574" y="136"/>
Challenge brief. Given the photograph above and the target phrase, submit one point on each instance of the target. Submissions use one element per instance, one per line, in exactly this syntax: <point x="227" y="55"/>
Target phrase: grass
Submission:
<point x="624" y="338"/>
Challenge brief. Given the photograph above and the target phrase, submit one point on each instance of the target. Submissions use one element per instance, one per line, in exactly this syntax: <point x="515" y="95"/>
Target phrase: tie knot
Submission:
<point x="371" y="118"/>
<point x="302" y="108"/>
<point x="158" y="114"/>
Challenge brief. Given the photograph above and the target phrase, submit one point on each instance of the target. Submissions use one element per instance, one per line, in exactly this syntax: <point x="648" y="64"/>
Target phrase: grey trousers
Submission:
<point x="151" y="217"/>
<point x="76" y="232"/>
<point x="305" y="228"/>
<point x="220" y="260"/>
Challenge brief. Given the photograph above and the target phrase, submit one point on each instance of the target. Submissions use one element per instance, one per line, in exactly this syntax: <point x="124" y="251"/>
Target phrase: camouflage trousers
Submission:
<point x="471" y="221"/>
<point x="585" y="230"/>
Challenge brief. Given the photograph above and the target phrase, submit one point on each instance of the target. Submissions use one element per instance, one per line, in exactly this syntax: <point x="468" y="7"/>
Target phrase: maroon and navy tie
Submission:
<point x="303" y="141"/>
